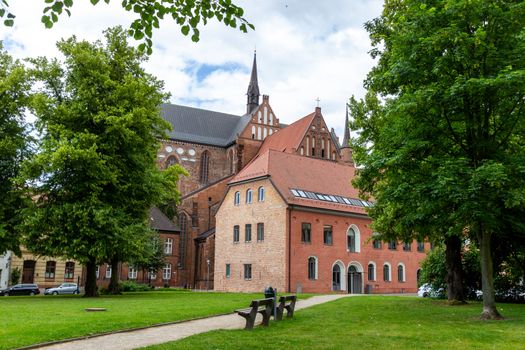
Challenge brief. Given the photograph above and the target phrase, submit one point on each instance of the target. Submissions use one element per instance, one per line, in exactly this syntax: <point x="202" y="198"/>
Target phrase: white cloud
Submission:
<point x="305" y="50"/>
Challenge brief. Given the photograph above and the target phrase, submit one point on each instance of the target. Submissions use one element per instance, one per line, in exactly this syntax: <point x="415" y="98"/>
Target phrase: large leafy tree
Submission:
<point x="95" y="176"/>
<point x="188" y="14"/>
<point x="443" y="122"/>
<point x="14" y="88"/>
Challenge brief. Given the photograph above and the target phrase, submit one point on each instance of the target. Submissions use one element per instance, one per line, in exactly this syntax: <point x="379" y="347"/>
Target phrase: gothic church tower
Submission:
<point x="253" y="88"/>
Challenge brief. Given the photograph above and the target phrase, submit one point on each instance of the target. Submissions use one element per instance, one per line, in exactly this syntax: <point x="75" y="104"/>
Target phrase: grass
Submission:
<point x="30" y="320"/>
<point x="375" y="323"/>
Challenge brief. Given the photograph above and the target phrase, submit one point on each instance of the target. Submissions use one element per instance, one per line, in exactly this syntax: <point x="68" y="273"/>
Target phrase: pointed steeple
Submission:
<point x="253" y="88"/>
<point x="346" y="138"/>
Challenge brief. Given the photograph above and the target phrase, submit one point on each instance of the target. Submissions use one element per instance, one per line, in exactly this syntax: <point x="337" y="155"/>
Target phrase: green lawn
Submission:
<point x="30" y="320"/>
<point x="375" y="323"/>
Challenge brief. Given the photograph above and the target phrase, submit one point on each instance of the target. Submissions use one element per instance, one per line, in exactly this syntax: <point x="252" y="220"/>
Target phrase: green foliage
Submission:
<point x="95" y="176"/>
<point x="442" y="128"/>
<point x="188" y="14"/>
<point x="383" y="323"/>
<point x="44" y="318"/>
<point x="14" y="94"/>
<point x="15" y="276"/>
<point x="132" y="286"/>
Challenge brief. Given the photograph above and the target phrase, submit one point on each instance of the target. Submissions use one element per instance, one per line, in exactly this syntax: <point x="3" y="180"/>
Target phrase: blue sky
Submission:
<point x="305" y="50"/>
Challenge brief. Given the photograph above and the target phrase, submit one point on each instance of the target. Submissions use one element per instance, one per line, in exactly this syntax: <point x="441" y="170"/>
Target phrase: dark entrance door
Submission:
<point x="336" y="278"/>
<point x="29" y="271"/>
<point x="354" y="281"/>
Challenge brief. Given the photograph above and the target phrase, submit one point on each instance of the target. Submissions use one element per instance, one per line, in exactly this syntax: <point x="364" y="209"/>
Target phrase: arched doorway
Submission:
<point x="355" y="278"/>
<point x="336" y="277"/>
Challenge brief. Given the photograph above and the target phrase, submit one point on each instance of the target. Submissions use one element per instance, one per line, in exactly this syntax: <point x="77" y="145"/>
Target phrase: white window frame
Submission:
<point x="166" y="272"/>
<point x="249" y="196"/>
<point x="168" y="246"/>
<point x="108" y="271"/>
<point x="404" y="272"/>
<point x="132" y="272"/>
<point x="237" y="198"/>
<point x="389" y="272"/>
<point x="316" y="267"/>
<point x="260" y="194"/>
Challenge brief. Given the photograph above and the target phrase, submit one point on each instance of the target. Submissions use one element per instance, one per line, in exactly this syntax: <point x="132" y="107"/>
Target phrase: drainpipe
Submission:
<point x="289" y="250"/>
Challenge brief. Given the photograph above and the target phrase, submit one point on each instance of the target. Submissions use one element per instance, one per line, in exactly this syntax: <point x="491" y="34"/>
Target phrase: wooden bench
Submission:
<point x="286" y="302"/>
<point x="262" y="306"/>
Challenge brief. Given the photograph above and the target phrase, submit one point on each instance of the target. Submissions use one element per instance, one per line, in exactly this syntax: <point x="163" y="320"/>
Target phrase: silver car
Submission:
<point x="64" y="288"/>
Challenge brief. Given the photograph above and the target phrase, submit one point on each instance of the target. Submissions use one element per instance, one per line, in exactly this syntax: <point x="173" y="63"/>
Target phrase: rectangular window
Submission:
<point x="248" y="232"/>
<point x="70" y="270"/>
<point x="132" y="272"/>
<point x="50" y="270"/>
<point x="108" y="271"/>
<point x="228" y="270"/>
<point x="377" y="244"/>
<point x="97" y="273"/>
<point x="166" y="272"/>
<point x="407" y="246"/>
<point x="247" y="271"/>
<point x="420" y="246"/>
<point x="260" y="232"/>
<point x="236" y="233"/>
<point x="306" y="233"/>
<point x="312" y="268"/>
<point x="327" y="235"/>
<point x="168" y="246"/>
<point x="392" y="245"/>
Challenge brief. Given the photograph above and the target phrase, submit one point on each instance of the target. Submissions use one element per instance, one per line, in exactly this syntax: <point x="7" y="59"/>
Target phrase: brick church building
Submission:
<point x="272" y="204"/>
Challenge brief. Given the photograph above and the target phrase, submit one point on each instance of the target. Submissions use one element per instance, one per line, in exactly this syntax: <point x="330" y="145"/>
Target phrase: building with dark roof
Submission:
<point x="267" y="203"/>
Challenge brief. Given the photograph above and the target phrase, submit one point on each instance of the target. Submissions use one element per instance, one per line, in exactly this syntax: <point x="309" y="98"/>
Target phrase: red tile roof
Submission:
<point x="289" y="138"/>
<point x="291" y="171"/>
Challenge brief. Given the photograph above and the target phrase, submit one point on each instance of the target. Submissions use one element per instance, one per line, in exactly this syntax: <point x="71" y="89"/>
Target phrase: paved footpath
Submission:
<point x="162" y="334"/>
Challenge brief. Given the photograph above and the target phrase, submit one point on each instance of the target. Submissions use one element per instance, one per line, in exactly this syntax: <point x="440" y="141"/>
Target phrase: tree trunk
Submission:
<point x="91" y="289"/>
<point x="487" y="278"/>
<point x="454" y="278"/>
<point x="114" y="287"/>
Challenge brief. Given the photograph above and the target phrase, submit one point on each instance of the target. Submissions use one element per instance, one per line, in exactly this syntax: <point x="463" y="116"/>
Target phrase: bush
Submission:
<point x="132" y="286"/>
<point x="15" y="276"/>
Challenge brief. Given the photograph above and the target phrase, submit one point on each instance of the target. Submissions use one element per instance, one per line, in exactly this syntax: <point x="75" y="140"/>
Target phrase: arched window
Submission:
<point x="260" y="196"/>
<point x="322" y="149"/>
<point x="353" y="239"/>
<point x="401" y="273"/>
<point x="237" y="198"/>
<point x="205" y="163"/>
<point x="253" y="131"/>
<point x="371" y="272"/>
<point x="249" y="196"/>
<point x="386" y="272"/>
<point x="172" y="160"/>
<point x="312" y="268"/>
<point x="307" y="145"/>
<point x="259" y="133"/>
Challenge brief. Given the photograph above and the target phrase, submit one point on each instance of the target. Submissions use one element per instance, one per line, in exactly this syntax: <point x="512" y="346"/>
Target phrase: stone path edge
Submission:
<point x="90" y="336"/>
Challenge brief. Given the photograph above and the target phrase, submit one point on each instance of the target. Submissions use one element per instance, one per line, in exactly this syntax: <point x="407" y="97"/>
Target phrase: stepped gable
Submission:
<point x="202" y="126"/>
<point x="289" y="171"/>
<point x="289" y="138"/>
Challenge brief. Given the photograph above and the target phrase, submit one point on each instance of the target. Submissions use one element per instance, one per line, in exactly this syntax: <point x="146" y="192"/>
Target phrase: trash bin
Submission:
<point x="269" y="292"/>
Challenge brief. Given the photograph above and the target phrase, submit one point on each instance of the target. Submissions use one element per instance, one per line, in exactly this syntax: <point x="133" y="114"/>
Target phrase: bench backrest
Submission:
<point x="261" y="302"/>
<point x="286" y="298"/>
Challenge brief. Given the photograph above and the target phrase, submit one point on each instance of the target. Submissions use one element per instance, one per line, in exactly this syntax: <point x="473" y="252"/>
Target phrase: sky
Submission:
<point x="306" y="50"/>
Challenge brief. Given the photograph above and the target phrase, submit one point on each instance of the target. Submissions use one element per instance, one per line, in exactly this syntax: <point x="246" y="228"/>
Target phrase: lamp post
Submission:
<point x="208" y="274"/>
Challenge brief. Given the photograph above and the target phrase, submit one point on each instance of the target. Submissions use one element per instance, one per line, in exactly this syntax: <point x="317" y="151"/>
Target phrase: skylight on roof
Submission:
<point x="330" y="198"/>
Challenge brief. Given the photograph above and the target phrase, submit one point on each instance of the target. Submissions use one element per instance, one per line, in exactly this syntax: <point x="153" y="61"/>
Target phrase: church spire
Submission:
<point x="253" y="88"/>
<point x="346" y="138"/>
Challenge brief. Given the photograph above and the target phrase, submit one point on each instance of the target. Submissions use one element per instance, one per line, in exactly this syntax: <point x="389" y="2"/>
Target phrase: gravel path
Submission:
<point x="162" y="334"/>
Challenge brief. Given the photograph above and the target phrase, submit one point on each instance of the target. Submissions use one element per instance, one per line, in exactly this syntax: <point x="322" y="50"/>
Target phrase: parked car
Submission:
<point x="64" y="288"/>
<point x="426" y="291"/>
<point x="21" y="289"/>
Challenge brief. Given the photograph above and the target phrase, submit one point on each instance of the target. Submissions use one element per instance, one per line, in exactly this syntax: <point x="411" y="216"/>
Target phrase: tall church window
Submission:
<point x="259" y="133"/>
<point x="205" y="164"/>
<point x="312" y="268"/>
<point x="328" y="149"/>
<point x="322" y="149"/>
<point x="183" y="225"/>
<point x="302" y="150"/>
<point x="307" y="145"/>
<point x="172" y="160"/>
<point x="265" y="133"/>
<point x="313" y="146"/>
